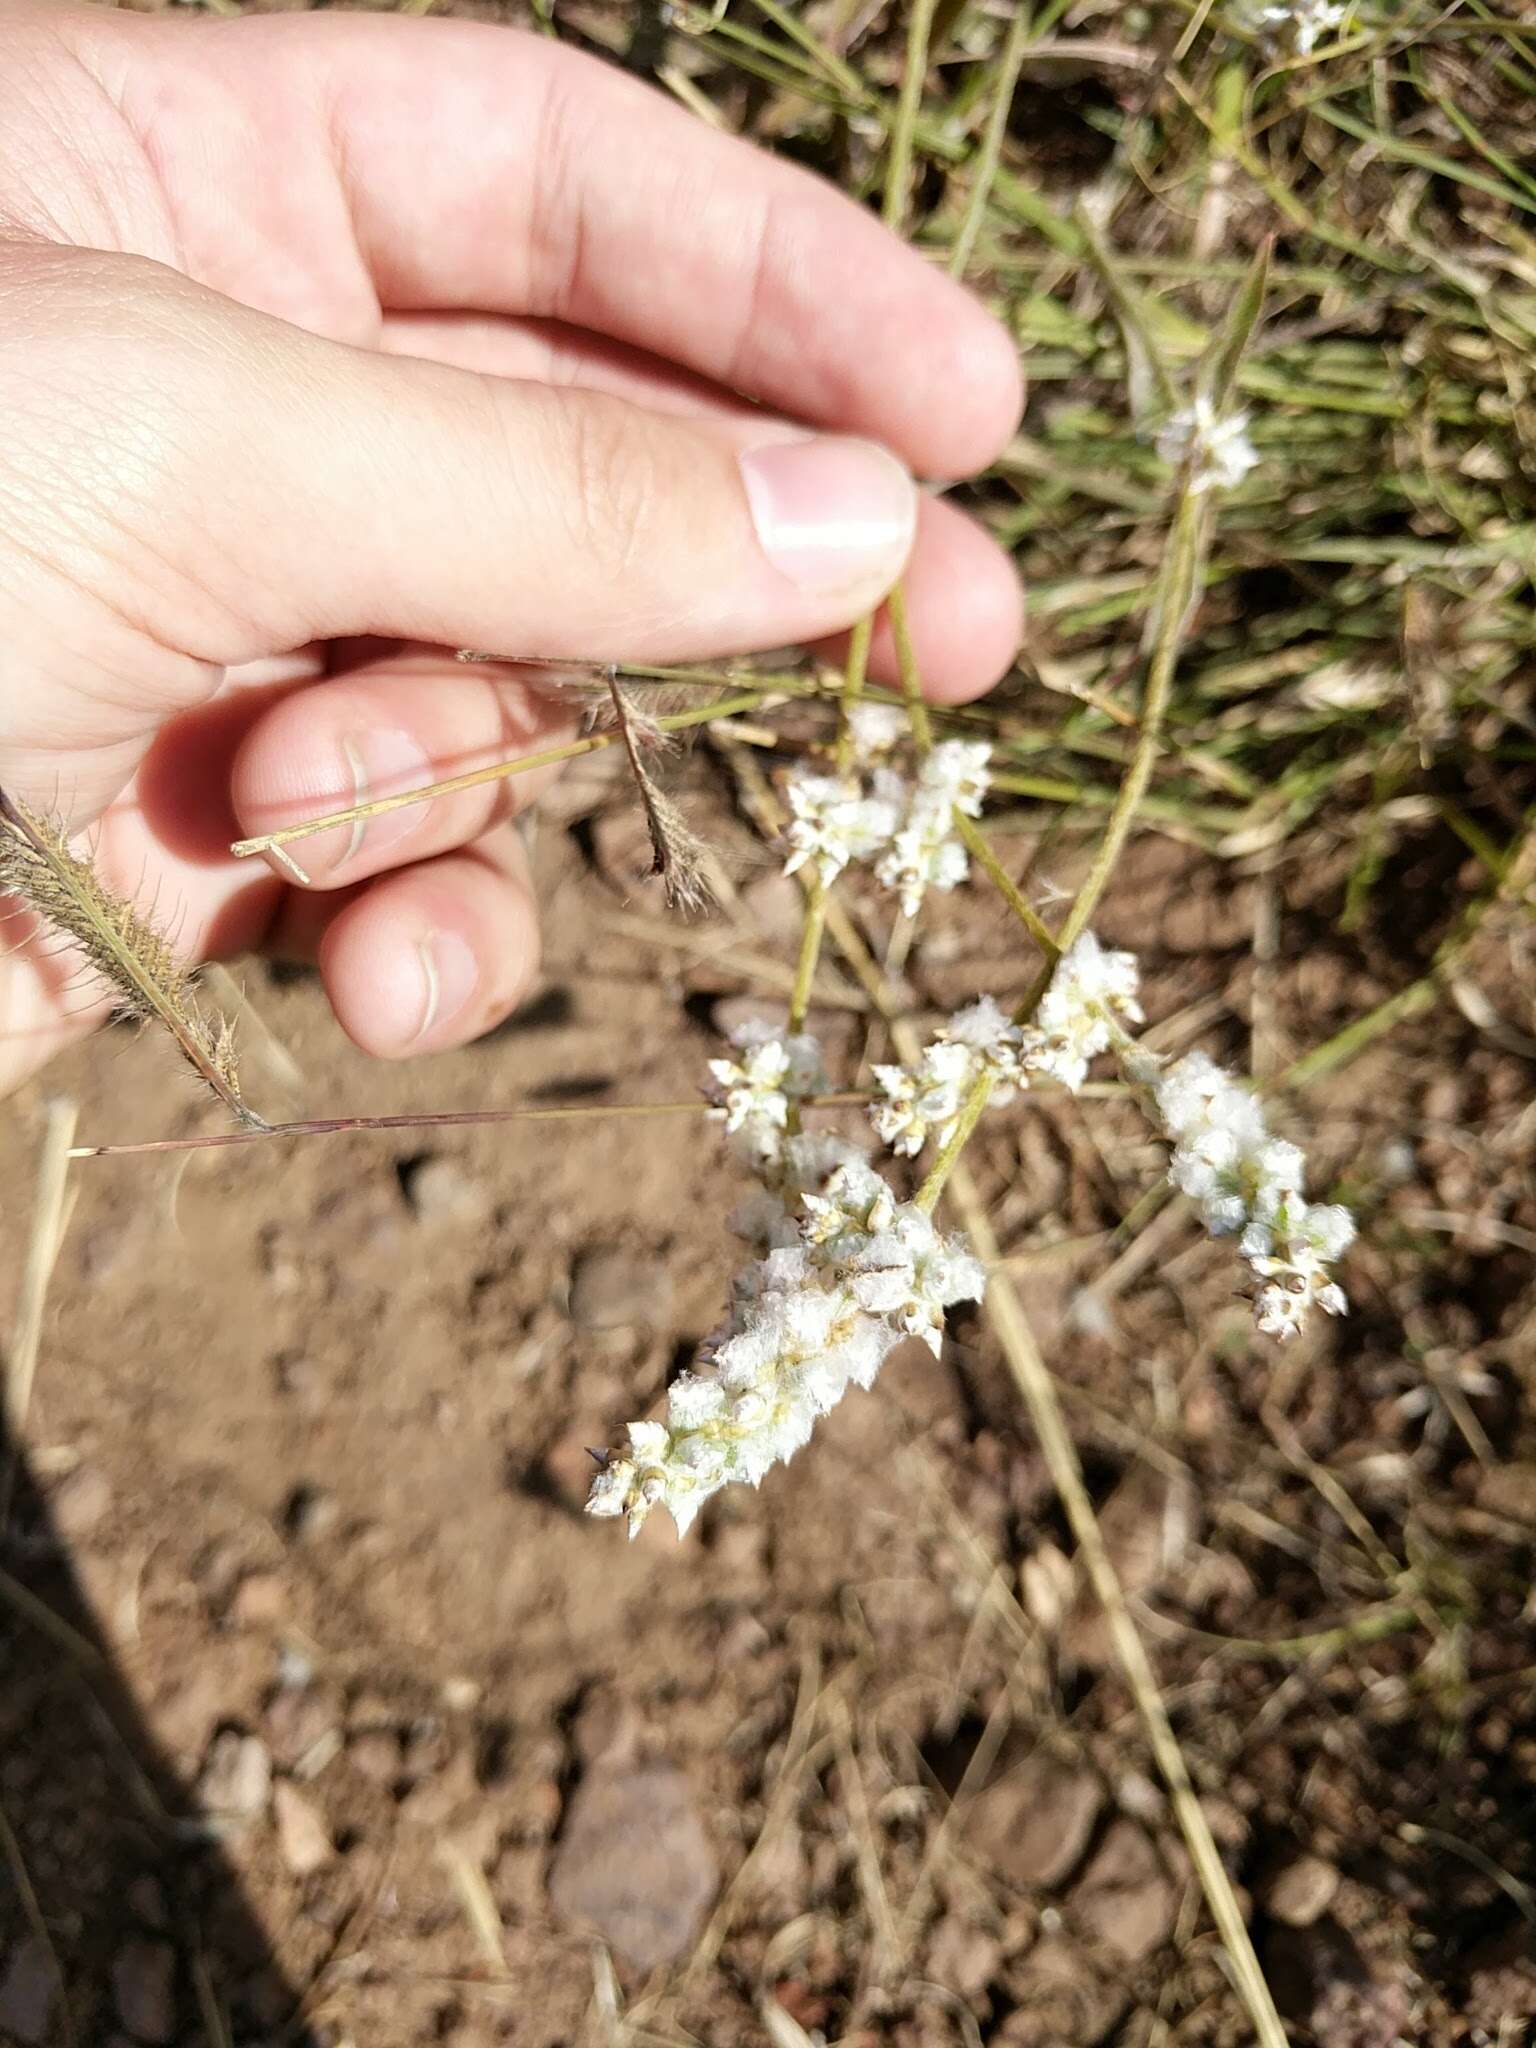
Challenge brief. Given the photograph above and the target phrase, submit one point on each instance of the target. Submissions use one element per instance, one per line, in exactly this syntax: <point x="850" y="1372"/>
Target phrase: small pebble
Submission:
<point x="635" y="1863"/>
<point x="303" y="1840"/>
<point x="79" y="1502"/>
<point x="310" y="1512"/>
<point x="438" y="1191"/>
<point x="28" y="1989"/>
<point x="143" y="1990"/>
<point x="236" y="1779"/>
<point x="1302" y="1892"/>
<point x="297" y="1717"/>
<point x="375" y="1753"/>
<point x="259" y="1600"/>
<point x="617" y="1290"/>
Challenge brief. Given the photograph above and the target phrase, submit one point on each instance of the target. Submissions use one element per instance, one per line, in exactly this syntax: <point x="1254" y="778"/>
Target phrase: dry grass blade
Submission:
<point x="122" y="946"/>
<point x="1031" y="1376"/>
<point x="273" y="843"/>
<point x="676" y="849"/>
<point x="49" y="1217"/>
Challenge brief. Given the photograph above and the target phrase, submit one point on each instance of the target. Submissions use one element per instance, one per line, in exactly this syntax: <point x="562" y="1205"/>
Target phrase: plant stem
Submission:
<point x="987" y="158"/>
<point x="854" y="677"/>
<point x="898" y="170"/>
<point x="1033" y="1379"/>
<point x="980" y="849"/>
<point x="810" y="952"/>
<point x="911" y="678"/>
<point x="1176" y="587"/>
<point x="1176" y="592"/>
<point x="433" y="1120"/>
<point x="817" y="889"/>
<point x="496" y="771"/>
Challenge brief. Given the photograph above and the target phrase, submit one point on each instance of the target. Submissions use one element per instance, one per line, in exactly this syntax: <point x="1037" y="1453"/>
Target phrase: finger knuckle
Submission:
<point x="612" y="484"/>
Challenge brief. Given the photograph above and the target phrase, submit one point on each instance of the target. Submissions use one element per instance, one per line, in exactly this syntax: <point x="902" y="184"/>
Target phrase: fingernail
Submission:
<point x="831" y="513"/>
<point x="449" y="975"/>
<point x="382" y="761"/>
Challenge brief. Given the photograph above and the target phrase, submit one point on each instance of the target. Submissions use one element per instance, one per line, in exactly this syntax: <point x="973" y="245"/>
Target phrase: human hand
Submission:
<point x="331" y="343"/>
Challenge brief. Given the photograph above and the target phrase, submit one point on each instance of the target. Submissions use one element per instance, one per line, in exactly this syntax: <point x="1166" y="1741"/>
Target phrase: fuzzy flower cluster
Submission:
<point x="1300" y="23"/>
<point x="1216" y="446"/>
<point x="874" y="814"/>
<point x="924" y="853"/>
<point x="846" y="1272"/>
<point x="755" y="1090"/>
<point x="1092" y="997"/>
<point x="974" y="1041"/>
<point x="1246" y="1181"/>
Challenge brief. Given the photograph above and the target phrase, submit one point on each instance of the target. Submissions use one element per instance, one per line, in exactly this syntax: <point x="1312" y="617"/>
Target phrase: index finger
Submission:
<point x="488" y="170"/>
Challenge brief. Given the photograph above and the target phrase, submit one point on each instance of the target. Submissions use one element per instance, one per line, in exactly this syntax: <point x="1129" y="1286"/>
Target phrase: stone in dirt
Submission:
<point x="235" y="1782"/>
<point x="1126" y="1898"/>
<point x="79" y="1502"/>
<point x="1149" y="1526"/>
<point x="1320" y="1978"/>
<point x="1301" y="1891"/>
<point x="618" y="1290"/>
<point x="438" y="1191"/>
<point x="259" y="1600"/>
<point x="634" y="1863"/>
<point x="28" y="1988"/>
<point x="311" y="1512"/>
<point x="303" y="1840"/>
<point x="143" y="1990"/>
<point x="1501" y="1979"/>
<point x="1061" y="1998"/>
<point x="1032" y="1826"/>
<point x="962" y="1957"/>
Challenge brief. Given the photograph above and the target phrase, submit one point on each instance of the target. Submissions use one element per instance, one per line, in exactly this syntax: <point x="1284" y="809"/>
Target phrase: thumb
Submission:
<point x="315" y="489"/>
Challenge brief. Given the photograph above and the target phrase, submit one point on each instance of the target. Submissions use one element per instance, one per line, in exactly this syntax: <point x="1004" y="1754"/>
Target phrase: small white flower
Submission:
<point x="912" y="1275"/>
<point x="1217" y="449"/>
<point x="1244" y="1180"/>
<point x="924" y="853"/>
<point x="916" y="1103"/>
<point x="756" y="1089"/>
<point x="958" y="771"/>
<point x="1093" y="994"/>
<point x="876" y="730"/>
<point x="833" y="822"/>
<point x="1303" y="23"/>
<point x="988" y="1032"/>
<point x="857" y="1204"/>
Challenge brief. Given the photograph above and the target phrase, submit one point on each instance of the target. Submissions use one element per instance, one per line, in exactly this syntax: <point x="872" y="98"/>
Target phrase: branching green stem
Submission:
<point x="898" y="173"/>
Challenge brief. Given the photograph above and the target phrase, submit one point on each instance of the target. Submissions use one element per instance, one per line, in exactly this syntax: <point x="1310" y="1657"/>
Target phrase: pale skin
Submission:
<point x="329" y="344"/>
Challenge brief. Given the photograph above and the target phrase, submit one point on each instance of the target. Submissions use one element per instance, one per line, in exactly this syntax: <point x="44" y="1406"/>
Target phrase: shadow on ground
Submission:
<point x="119" y="1919"/>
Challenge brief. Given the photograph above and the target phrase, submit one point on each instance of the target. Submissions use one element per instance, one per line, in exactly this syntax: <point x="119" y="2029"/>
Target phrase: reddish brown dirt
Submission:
<point x="309" y="1434"/>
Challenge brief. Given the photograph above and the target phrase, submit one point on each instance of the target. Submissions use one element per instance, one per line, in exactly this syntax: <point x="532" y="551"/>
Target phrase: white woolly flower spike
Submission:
<point x="1245" y="1180"/>
<point x="1216" y="447"/>
<point x="1091" y="998"/>
<point x="847" y="1272"/>
<point x="811" y="1321"/>
<point x="833" y="822"/>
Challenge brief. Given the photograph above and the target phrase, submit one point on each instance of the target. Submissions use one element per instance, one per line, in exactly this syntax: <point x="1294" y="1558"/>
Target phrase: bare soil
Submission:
<point x="360" y="1732"/>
